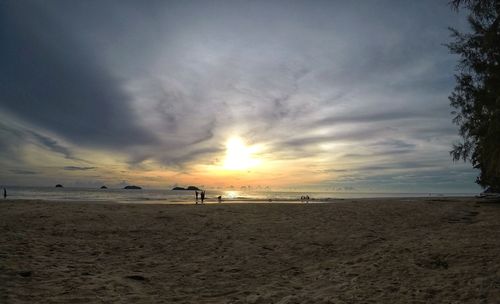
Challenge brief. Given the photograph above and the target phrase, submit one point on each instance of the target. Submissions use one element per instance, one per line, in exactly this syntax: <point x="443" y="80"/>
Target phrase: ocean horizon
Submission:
<point x="163" y="196"/>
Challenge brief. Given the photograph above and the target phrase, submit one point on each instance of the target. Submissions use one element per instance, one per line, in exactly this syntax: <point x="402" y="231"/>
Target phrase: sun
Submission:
<point x="239" y="156"/>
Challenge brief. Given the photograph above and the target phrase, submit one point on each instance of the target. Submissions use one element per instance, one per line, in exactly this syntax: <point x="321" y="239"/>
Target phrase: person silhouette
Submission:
<point x="219" y="198"/>
<point x="4" y="193"/>
<point x="202" y="196"/>
<point x="196" y="195"/>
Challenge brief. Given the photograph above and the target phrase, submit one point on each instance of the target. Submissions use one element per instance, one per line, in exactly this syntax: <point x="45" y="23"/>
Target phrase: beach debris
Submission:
<point x="435" y="262"/>
<point x="25" y="273"/>
<point x="136" y="277"/>
<point x="438" y="262"/>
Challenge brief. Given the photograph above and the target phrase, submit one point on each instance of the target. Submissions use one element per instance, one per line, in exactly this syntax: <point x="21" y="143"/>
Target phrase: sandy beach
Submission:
<point x="434" y="250"/>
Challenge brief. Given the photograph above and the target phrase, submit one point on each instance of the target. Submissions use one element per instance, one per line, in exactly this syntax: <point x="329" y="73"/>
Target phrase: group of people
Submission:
<point x="305" y="198"/>
<point x="201" y="194"/>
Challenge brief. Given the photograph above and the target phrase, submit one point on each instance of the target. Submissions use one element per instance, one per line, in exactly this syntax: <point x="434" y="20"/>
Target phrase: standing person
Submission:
<point x="4" y="193"/>
<point x="196" y="194"/>
<point x="202" y="196"/>
<point x="219" y="198"/>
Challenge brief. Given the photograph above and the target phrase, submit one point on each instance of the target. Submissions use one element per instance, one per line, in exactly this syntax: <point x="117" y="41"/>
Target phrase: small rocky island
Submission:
<point x="132" y="187"/>
<point x="104" y="187"/>
<point x="191" y="188"/>
<point x="59" y="186"/>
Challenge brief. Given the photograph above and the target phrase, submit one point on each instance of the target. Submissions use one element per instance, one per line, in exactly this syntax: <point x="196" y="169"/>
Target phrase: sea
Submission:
<point x="162" y="196"/>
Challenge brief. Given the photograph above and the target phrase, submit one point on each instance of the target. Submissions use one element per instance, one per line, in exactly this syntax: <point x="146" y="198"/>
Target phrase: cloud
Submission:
<point x="51" y="79"/>
<point x="75" y="168"/>
<point x="51" y="144"/>
<point x="351" y="86"/>
<point x="23" y="172"/>
<point x="15" y="137"/>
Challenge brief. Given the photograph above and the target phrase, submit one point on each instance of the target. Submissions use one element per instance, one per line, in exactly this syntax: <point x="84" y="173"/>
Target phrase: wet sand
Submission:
<point x="434" y="250"/>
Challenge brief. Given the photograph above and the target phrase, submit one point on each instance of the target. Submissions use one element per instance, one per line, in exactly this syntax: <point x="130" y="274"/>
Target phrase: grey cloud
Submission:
<point x="76" y="168"/>
<point x="352" y="135"/>
<point x="14" y="138"/>
<point x="51" y="79"/>
<point x="396" y="143"/>
<point x="183" y="158"/>
<point x="23" y="172"/>
<point x="406" y="165"/>
<point x="377" y="153"/>
<point x="11" y="143"/>
<point x="51" y="144"/>
<point x="371" y="117"/>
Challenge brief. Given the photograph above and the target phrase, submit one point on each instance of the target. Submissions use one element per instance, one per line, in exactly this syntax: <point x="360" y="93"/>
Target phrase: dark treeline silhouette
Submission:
<point x="476" y="96"/>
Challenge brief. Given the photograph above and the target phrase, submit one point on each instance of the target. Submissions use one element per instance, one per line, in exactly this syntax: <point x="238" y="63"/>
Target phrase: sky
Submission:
<point x="317" y="95"/>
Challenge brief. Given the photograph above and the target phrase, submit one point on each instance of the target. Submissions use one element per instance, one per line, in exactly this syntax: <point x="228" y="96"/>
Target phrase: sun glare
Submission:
<point x="238" y="155"/>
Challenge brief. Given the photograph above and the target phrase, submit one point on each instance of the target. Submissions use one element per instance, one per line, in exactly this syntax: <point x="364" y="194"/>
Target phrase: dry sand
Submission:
<point x="351" y="251"/>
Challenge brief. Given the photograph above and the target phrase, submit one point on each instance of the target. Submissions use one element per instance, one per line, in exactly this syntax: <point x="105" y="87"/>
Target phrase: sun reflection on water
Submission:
<point x="231" y="194"/>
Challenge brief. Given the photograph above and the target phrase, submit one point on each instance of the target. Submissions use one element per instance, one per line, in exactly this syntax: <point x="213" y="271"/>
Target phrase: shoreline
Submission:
<point x="213" y="201"/>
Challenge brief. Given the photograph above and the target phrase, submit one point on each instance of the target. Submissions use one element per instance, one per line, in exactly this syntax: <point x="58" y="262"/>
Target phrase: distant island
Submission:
<point x="104" y="187"/>
<point x="59" y="186"/>
<point x="191" y="188"/>
<point x="132" y="187"/>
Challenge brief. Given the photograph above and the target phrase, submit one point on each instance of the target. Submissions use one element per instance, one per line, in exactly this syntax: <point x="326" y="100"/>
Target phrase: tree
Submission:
<point x="476" y="97"/>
